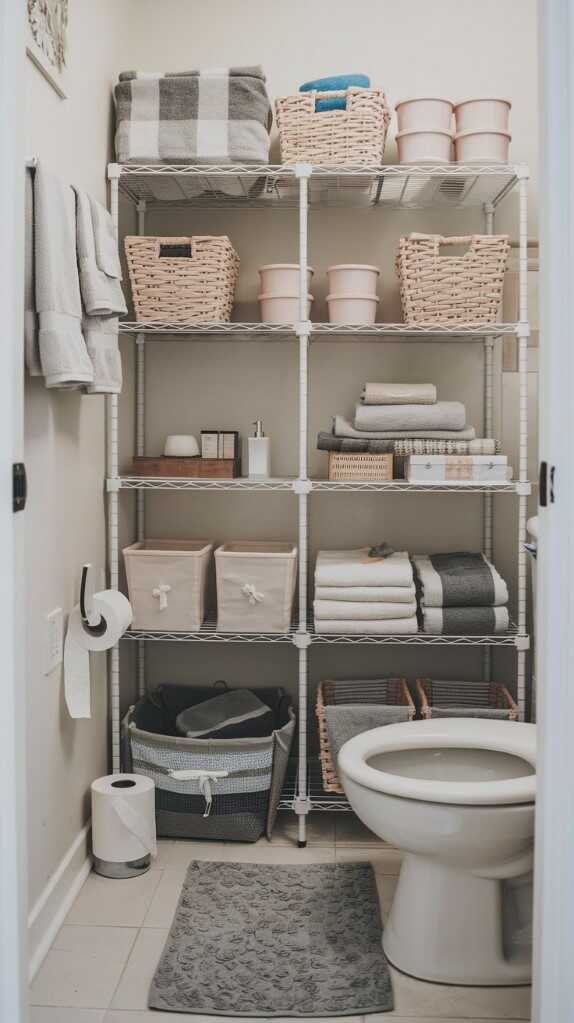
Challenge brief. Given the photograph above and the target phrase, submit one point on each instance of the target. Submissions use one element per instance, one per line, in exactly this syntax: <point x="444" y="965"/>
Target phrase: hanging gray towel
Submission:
<point x="63" y="353"/>
<point x="344" y="722"/>
<point x="31" y="348"/>
<point x="101" y="290"/>
<point x="101" y="335"/>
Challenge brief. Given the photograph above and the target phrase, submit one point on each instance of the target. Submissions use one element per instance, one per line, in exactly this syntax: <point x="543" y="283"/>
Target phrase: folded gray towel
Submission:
<point x="398" y="394"/>
<point x="345" y="721"/>
<point x="459" y="579"/>
<point x="236" y="714"/>
<point x="343" y="428"/>
<point x="471" y="712"/>
<point x="328" y="442"/>
<point x="443" y="415"/>
<point x="465" y="621"/>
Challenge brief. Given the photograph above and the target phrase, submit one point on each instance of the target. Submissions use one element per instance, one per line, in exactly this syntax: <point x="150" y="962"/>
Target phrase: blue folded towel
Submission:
<point x="335" y="83"/>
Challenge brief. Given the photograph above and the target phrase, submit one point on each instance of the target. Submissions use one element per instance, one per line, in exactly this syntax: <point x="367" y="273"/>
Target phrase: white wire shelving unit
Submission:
<point x="303" y="188"/>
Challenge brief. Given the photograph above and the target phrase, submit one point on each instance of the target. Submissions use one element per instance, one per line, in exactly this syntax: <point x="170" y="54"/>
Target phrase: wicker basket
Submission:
<point x="355" y="136"/>
<point x="182" y="280"/>
<point x="345" y="465"/>
<point x="388" y="692"/>
<point x="451" y="289"/>
<point x="451" y="699"/>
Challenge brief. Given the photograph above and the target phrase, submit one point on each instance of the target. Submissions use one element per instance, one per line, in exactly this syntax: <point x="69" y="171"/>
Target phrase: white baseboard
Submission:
<point x="50" y="909"/>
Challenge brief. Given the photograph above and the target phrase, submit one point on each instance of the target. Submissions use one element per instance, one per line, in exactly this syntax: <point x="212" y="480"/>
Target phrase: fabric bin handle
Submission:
<point x="205" y="779"/>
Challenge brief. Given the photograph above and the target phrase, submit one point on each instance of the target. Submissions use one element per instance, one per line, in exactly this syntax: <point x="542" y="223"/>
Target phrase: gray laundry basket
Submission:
<point x="235" y="784"/>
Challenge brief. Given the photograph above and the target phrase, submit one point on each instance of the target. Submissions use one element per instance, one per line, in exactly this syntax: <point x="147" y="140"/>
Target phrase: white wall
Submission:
<point x="454" y="48"/>
<point x="64" y="447"/>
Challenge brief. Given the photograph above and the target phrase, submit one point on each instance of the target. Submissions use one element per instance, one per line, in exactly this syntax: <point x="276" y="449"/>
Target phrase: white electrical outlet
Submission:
<point x="53" y="640"/>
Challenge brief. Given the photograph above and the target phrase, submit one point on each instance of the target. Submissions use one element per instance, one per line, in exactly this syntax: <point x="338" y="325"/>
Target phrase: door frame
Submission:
<point x="13" y="944"/>
<point x="553" y="992"/>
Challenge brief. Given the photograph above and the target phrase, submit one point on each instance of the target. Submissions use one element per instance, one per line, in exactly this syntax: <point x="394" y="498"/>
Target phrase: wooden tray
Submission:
<point x="192" y="468"/>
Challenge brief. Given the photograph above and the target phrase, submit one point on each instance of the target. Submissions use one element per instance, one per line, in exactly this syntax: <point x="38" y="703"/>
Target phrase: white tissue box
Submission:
<point x="451" y="468"/>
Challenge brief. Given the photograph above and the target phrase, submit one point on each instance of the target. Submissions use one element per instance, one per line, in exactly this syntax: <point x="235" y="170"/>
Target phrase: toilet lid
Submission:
<point x="464" y="761"/>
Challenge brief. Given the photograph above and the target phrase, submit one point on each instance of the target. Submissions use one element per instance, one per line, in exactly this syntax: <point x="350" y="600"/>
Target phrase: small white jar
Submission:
<point x="282" y="308"/>
<point x="425" y="113"/>
<point x="282" y="278"/>
<point x="482" y="146"/>
<point x="481" y="113"/>
<point x="425" y="146"/>
<point x="359" y="309"/>
<point x="181" y="445"/>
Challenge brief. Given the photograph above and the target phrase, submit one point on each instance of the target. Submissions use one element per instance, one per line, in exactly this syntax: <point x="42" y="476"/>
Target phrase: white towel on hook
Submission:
<point x="63" y="353"/>
<point x="31" y="347"/>
<point x="101" y="335"/>
<point x="107" y="256"/>
<point x="101" y="291"/>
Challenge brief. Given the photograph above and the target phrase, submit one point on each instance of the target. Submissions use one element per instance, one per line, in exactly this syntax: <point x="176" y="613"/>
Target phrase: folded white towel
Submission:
<point x="356" y="568"/>
<point x="443" y="415"/>
<point x="390" y="627"/>
<point x="101" y="335"/>
<point x="398" y="394"/>
<point x="63" y="353"/>
<point x="106" y="244"/>
<point x="374" y="610"/>
<point x="343" y="428"/>
<point x="31" y="348"/>
<point x="386" y="594"/>
<point x="101" y="292"/>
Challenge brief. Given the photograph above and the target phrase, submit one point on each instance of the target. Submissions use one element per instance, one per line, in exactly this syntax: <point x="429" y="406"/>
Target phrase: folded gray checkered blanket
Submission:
<point x="220" y="115"/>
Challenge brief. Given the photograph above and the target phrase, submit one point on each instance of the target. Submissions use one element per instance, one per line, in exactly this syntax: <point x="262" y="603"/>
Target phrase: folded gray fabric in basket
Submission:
<point x="214" y="116"/>
<point x="238" y="714"/>
<point x="502" y="713"/>
<point x="345" y="721"/>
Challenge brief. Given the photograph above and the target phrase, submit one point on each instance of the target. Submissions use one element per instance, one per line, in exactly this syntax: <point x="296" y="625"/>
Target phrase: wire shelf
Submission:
<point x="404" y="487"/>
<point x="209" y="634"/>
<point x="244" y="186"/>
<point x="320" y="800"/>
<point x="509" y="638"/>
<point x="239" y="484"/>
<point x="159" y="330"/>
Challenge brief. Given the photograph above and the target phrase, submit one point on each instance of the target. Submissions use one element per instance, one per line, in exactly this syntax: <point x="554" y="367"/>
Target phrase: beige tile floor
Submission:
<point x="101" y="963"/>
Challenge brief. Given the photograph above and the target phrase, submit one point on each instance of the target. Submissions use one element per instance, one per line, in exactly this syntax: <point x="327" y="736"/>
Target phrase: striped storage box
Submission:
<point x="226" y="789"/>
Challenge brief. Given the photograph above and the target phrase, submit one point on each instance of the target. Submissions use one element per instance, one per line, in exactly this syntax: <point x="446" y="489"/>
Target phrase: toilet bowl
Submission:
<point x="457" y="797"/>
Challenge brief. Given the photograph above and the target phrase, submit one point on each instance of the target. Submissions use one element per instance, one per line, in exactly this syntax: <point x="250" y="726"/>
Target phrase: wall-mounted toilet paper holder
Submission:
<point x="95" y="623"/>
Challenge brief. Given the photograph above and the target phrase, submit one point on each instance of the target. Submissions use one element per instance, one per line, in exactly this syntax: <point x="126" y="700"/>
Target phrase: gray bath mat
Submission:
<point x="251" y="939"/>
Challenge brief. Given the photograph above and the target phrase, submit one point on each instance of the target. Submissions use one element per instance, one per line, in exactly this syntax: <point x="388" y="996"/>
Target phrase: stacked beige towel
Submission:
<point x="359" y="594"/>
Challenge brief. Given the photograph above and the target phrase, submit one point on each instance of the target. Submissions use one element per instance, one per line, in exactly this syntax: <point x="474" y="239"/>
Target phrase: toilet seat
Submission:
<point x="512" y="738"/>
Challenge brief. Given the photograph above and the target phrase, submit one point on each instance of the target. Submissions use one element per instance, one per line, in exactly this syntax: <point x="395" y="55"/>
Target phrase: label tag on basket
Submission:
<point x="175" y="251"/>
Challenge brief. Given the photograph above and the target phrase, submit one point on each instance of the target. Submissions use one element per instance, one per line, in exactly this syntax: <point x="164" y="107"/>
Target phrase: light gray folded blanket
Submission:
<point x="471" y="712"/>
<point x="343" y="428"/>
<point x="398" y="394"/>
<point x="374" y="610"/>
<point x="63" y="354"/>
<point x="443" y="415"/>
<point x="459" y="579"/>
<point x="345" y="721"/>
<point x="388" y="594"/>
<point x="101" y="288"/>
<point x="465" y="621"/>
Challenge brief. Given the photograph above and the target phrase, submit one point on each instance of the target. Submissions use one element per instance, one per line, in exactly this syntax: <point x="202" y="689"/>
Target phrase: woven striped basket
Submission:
<point x="353" y="137"/>
<point x="388" y="692"/>
<point x="182" y="280"/>
<point x="449" y="290"/>
<point x="480" y="698"/>
<point x="344" y="465"/>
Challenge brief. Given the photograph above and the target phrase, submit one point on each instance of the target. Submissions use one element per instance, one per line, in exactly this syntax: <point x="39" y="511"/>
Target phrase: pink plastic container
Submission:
<point x="480" y="114"/>
<point x="429" y="113"/>
<point x="352" y="308"/>
<point x="281" y="308"/>
<point x="425" y="146"/>
<point x="282" y="278"/>
<point x="353" y="279"/>
<point x="482" y="146"/>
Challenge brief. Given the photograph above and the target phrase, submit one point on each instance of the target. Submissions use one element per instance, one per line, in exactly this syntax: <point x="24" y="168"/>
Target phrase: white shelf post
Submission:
<point x="488" y="432"/>
<point x="140" y="447"/>
<point x="113" y="518"/>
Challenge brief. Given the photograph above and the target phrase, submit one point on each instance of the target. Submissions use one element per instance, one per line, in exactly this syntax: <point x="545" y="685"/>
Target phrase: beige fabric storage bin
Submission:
<point x="255" y="586"/>
<point x="166" y="582"/>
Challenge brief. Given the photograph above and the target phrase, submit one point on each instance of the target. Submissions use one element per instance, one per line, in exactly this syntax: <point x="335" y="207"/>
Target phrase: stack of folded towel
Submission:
<point x="361" y="594"/>
<point x="334" y="83"/>
<point x="461" y="594"/>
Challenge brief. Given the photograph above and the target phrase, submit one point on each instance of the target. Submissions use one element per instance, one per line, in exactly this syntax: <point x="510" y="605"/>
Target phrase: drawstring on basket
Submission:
<point x="161" y="591"/>
<point x="254" y="596"/>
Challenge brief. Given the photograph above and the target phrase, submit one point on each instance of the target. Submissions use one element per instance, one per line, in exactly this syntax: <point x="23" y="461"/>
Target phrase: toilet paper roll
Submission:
<point x="123" y="818"/>
<point x="115" y="614"/>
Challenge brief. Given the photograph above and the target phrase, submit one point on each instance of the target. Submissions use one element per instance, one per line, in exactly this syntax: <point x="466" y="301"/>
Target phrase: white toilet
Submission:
<point x="457" y="796"/>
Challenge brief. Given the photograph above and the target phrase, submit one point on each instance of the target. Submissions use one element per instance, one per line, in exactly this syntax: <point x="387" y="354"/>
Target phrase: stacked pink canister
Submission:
<point x="434" y="130"/>
<point x="279" y="294"/>
<point x="352" y="293"/>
